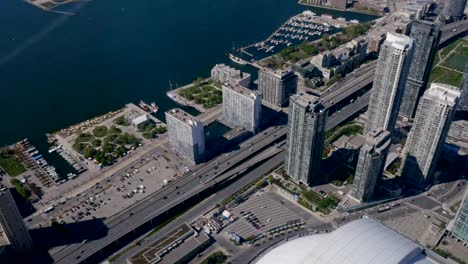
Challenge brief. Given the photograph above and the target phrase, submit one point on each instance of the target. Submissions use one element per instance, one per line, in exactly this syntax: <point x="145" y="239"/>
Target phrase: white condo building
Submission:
<point x="186" y="135"/>
<point x="276" y="86"/>
<point x="226" y="74"/>
<point x="431" y="125"/>
<point x="370" y="165"/>
<point x="389" y="80"/>
<point x="305" y="139"/>
<point x="242" y="107"/>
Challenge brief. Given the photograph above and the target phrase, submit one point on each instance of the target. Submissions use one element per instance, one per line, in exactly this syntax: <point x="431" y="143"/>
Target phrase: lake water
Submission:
<point x="58" y="70"/>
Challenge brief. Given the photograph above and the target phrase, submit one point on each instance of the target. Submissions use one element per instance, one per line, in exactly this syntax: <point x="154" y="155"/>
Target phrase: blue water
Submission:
<point x="57" y="70"/>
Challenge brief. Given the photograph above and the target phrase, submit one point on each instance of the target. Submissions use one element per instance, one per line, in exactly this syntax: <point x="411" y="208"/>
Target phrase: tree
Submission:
<point x="198" y="81"/>
<point x="97" y="142"/>
<point x="89" y="152"/>
<point x="326" y="37"/>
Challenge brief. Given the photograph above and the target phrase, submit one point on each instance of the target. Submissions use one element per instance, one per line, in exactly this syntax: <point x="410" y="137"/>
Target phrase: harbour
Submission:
<point x="304" y="27"/>
<point x="138" y="63"/>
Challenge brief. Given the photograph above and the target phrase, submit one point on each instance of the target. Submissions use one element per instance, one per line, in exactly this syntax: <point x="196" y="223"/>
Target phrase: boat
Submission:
<point x="145" y="106"/>
<point x="53" y="149"/>
<point x="237" y="60"/>
<point x="154" y="107"/>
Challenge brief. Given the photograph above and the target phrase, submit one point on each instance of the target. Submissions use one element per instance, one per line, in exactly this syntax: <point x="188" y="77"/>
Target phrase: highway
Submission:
<point x="210" y="202"/>
<point x="170" y="196"/>
<point x="354" y="82"/>
<point x="448" y="32"/>
<point x="347" y="111"/>
<point x="349" y="85"/>
<point x="184" y="188"/>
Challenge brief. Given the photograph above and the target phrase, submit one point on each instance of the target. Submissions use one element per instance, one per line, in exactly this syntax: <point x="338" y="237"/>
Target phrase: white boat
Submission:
<point x="237" y="60"/>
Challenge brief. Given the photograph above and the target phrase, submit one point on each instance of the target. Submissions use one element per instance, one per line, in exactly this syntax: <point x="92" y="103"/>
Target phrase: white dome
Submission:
<point x="363" y="241"/>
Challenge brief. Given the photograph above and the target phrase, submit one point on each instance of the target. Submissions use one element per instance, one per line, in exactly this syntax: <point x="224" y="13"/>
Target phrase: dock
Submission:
<point x="304" y="27"/>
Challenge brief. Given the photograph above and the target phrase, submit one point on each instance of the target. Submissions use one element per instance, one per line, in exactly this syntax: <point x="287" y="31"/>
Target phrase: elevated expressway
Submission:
<point x="344" y="99"/>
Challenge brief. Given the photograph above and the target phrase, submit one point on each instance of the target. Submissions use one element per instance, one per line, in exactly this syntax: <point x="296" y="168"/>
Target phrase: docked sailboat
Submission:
<point x="237" y="60"/>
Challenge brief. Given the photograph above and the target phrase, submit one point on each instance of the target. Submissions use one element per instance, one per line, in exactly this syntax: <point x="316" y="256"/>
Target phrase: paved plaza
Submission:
<point x="417" y="226"/>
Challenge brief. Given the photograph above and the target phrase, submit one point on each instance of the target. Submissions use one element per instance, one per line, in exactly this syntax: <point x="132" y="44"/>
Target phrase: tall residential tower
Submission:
<point x="459" y="226"/>
<point x="370" y="164"/>
<point x="276" y="86"/>
<point x="242" y="107"/>
<point x="305" y="139"/>
<point x="389" y="80"/>
<point x="12" y="224"/>
<point x="430" y="127"/>
<point x="453" y="9"/>
<point x="186" y="135"/>
<point x="463" y="102"/>
<point x="426" y="36"/>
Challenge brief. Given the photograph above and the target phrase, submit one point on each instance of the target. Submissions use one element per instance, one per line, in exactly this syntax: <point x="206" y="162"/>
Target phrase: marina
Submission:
<point x="304" y="27"/>
<point x="46" y="173"/>
<point x="70" y="159"/>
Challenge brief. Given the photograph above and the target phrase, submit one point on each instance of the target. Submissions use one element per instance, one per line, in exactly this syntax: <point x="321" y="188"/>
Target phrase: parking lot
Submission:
<point x="424" y="202"/>
<point x="119" y="191"/>
<point x="264" y="211"/>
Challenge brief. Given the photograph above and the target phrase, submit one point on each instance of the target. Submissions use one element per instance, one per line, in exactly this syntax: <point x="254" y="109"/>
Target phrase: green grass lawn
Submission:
<point x="205" y="94"/>
<point x="12" y="166"/>
<point x="442" y="75"/>
<point x="449" y="48"/>
<point x="456" y="61"/>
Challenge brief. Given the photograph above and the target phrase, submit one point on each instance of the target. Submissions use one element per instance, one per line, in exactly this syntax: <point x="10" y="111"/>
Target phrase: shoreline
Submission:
<point x="351" y="10"/>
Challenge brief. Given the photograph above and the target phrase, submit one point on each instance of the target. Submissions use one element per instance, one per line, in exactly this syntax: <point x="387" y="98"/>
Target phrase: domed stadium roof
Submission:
<point x="362" y="241"/>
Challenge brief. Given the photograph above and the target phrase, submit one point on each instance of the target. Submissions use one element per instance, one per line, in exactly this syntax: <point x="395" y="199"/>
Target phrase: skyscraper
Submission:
<point x="12" y="224"/>
<point x="453" y="9"/>
<point x="305" y="139"/>
<point x="370" y="164"/>
<point x="460" y="224"/>
<point x="430" y="127"/>
<point x="242" y="107"/>
<point x="276" y="86"/>
<point x="426" y="36"/>
<point x="389" y="80"/>
<point x="463" y="102"/>
<point x="186" y="135"/>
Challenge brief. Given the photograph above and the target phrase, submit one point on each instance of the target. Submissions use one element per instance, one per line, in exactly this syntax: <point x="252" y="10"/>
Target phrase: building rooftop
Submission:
<point x="399" y="41"/>
<point x="377" y="139"/>
<point x="356" y="142"/>
<point x="3" y="238"/>
<point x="361" y="241"/>
<point x="172" y="248"/>
<point x="140" y="119"/>
<point x="443" y="93"/>
<point x="241" y="89"/>
<point x="280" y="73"/>
<point x="307" y="100"/>
<point x="183" y="116"/>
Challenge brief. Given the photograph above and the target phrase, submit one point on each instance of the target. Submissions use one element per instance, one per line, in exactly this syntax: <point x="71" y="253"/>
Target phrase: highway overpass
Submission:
<point x="453" y="30"/>
<point x="139" y="217"/>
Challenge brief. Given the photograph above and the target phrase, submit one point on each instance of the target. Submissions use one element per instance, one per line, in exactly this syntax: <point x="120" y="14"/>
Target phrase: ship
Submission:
<point x="237" y="60"/>
<point x="145" y="106"/>
<point x="154" y="107"/>
<point x="150" y="108"/>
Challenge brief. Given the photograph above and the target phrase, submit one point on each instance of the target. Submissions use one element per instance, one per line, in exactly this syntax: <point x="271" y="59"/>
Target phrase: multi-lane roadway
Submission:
<point x="169" y="197"/>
